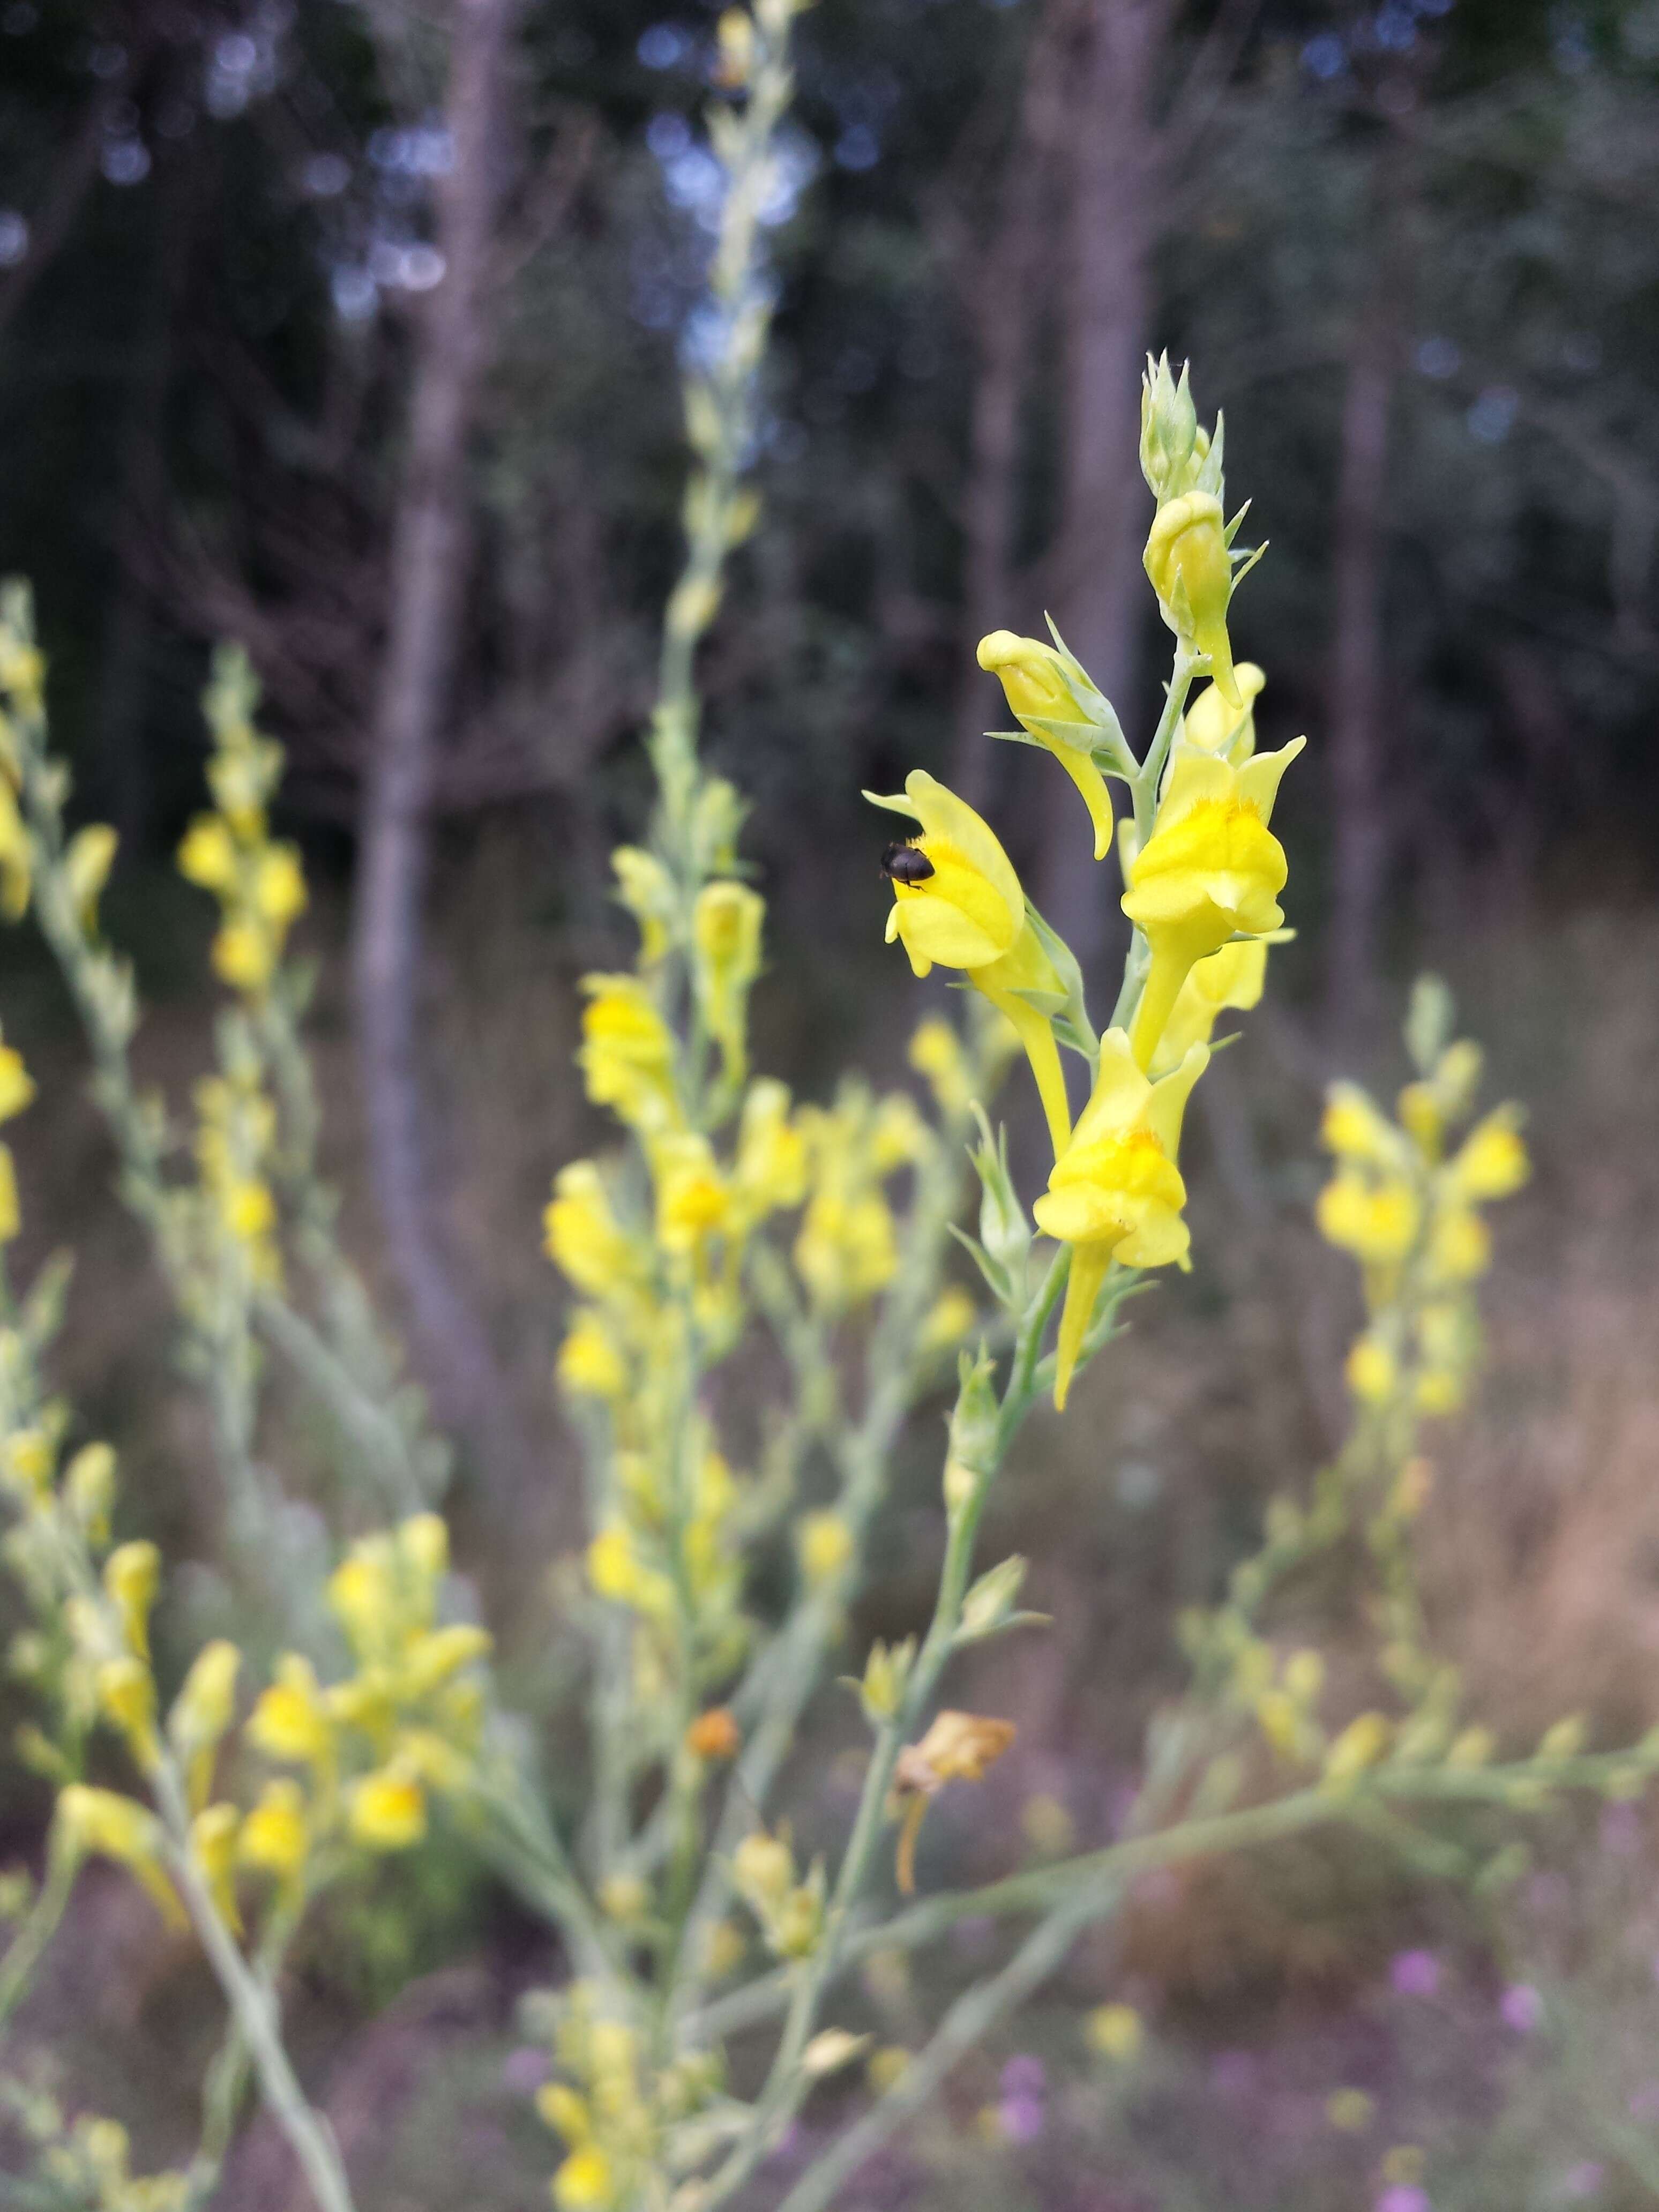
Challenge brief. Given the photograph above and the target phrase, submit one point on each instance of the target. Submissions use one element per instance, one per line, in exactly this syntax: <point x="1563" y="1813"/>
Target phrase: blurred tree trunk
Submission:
<point x="1112" y="136"/>
<point x="1004" y="292"/>
<point x="1360" y="828"/>
<point x="427" y="584"/>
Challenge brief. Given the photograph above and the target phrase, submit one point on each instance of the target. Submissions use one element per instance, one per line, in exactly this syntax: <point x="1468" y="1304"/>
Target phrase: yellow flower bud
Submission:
<point x="87" y="859"/>
<point x="133" y="1574"/>
<point x="1052" y="698"/>
<point x="126" y="1693"/>
<point x="204" y="1709"/>
<point x="1191" y="569"/>
<point x="1360" y="1745"/>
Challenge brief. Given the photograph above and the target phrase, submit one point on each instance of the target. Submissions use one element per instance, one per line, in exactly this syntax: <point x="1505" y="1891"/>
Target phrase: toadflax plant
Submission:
<point x="340" y="1705"/>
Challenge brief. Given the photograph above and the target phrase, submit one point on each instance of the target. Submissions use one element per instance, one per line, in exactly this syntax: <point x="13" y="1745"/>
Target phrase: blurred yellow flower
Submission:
<point x="1115" y="2031"/>
<point x="388" y="1809"/>
<point x="274" y="1836"/>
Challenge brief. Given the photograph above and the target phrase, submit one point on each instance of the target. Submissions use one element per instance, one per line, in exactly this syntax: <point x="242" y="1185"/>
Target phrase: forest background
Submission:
<point x="350" y="331"/>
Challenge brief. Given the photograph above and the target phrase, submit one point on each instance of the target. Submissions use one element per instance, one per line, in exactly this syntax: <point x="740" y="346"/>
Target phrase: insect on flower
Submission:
<point x="906" y="864"/>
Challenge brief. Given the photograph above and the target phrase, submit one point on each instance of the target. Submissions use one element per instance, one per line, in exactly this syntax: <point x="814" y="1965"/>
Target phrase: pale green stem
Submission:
<point x="786" y="2084"/>
<point x="965" y="2026"/>
<point x="309" y="2136"/>
<point x="28" y="1946"/>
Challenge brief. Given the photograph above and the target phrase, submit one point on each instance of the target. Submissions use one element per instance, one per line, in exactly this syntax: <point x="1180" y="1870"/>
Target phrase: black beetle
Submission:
<point x="906" y="864"/>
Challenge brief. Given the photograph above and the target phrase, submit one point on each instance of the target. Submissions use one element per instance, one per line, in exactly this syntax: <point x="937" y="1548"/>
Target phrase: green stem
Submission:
<point x="27" y="1947"/>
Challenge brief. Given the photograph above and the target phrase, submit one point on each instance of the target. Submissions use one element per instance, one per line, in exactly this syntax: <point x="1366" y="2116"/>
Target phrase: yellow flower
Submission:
<point x="243" y="956"/>
<point x="1115" y="2031"/>
<point x="1210" y="870"/>
<point x="1356" y="1129"/>
<point x="645" y="887"/>
<point x="770" y="1171"/>
<point x="1215" y="725"/>
<point x="936" y="1054"/>
<point x="1460" y="1246"/>
<point x="1116" y="1192"/>
<point x="291" y="1721"/>
<point x="627" y="1053"/>
<point x="589" y="1363"/>
<point x="1371" y="1371"/>
<point x="126" y="1691"/>
<point x="97" y="1823"/>
<point x="11" y="1213"/>
<point x="825" y="1545"/>
<point x="969" y="912"/>
<point x="133" y="1574"/>
<point x="16" y="863"/>
<point x="1234" y="977"/>
<point x="586" y="2182"/>
<point x="279" y="887"/>
<point x="952" y="1315"/>
<point x="726" y="937"/>
<point x="88" y="859"/>
<point x="16" y="1087"/>
<point x="208" y="854"/>
<point x="1377" y="1221"/>
<point x="692" y="1200"/>
<point x="1493" y="1161"/>
<point x="617" y="1571"/>
<point x="583" y="1235"/>
<point x="276" y="1836"/>
<point x="846" y="1249"/>
<point x="1042" y="687"/>
<point x="388" y="1809"/>
<point x="203" y="1710"/>
<point x="213" y="1846"/>
<point x="1360" y="1745"/>
<point x="1191" y="569"/>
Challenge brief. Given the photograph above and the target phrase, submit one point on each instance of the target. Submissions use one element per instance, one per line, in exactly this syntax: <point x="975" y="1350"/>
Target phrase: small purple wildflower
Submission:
<point x="1020" y="2119"/>
<point x="1401" y="2198"/>
<point x="1415" y="1974"/>
<point x="523" y="2070"/>
<point x="1521" y="2008"/>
